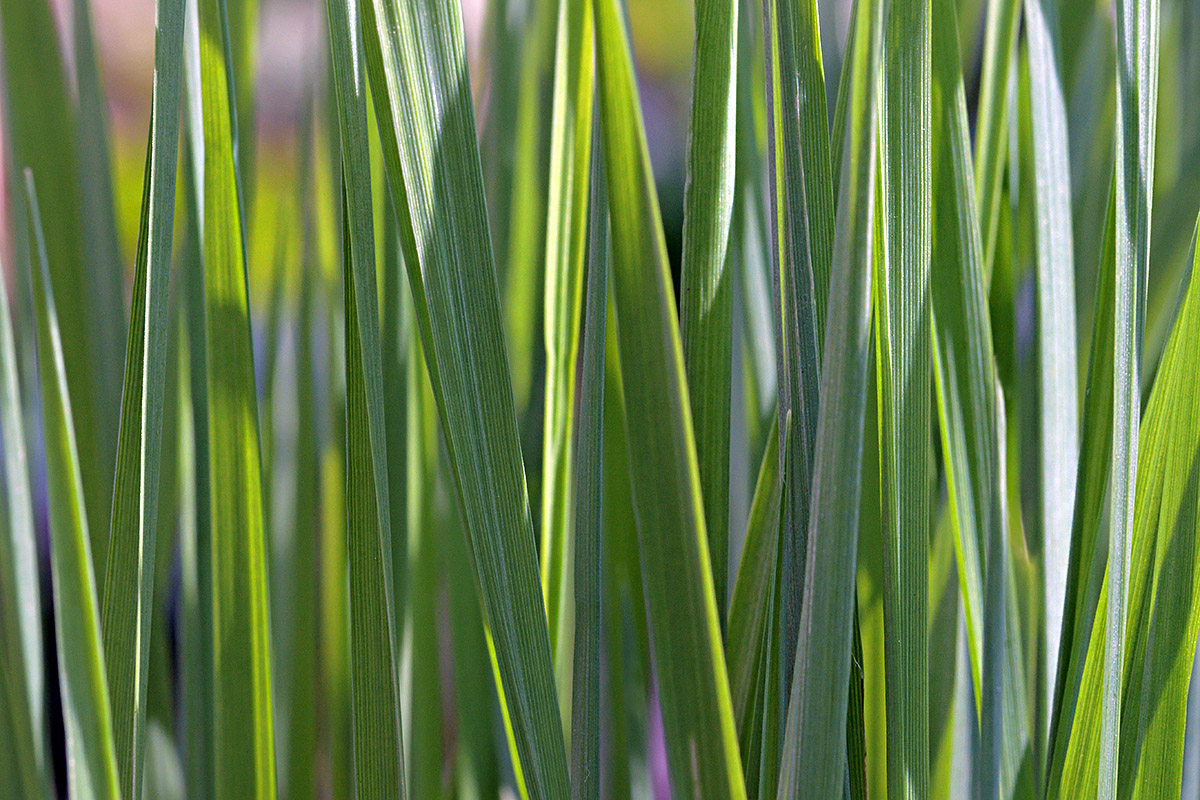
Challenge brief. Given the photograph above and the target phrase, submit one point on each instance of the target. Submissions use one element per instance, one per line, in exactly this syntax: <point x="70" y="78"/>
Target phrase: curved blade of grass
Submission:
<point x="566" y="234"/>
<point x="44" y="138"/>
<point x="416" y="58"/>
<point x="87" y="718"/>
<point x="902" y="326"/>
<point x="1137" y="95"/>
<point x="125" y="614"/>
<point x="801" y="230"/>
<point x="813" y="762"/>
<point x="23" y="680"/>
<point x="244" y="751"/>
<point x="701" y="742"/>
<point x="378" y="747"/>
<point x="1164" y="598"/>
<point x="705" y="316"/>
<point x="588" y="498"/>
<point x="1057" y="414"/>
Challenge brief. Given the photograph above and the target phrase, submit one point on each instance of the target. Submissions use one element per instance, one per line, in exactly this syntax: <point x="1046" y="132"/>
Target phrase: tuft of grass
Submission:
<point x="437" y="471"/>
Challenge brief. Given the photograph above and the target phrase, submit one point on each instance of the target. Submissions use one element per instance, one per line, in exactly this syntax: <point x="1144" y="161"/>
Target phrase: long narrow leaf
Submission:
<point x="1137" y="96"/>
<point x="87" y="717"/>
<point x="705" y="314"/>
<point x="417" y="64"/>
<point x="243" y="749"/>
<point x="902" y="329"/>
<point x="566" y="234"/>
<point x="814" y="744"/>
<point x="378" y="748"/>
<point x="701" y="742"/>
<point x="125" y="614"/>
<point x="23" y="681"/>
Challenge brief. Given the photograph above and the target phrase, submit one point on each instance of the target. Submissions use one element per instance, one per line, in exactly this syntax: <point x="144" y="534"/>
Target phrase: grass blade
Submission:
<point x="801" y="231"/>
<point x="23" y="680"/>
<point x="416" y="58"/>
<point x="126" y="615"/>
<point x="87" y="718"/>
<point x="752" y="631"/>
<point x="991" y="124"/>
<point x="1137" y="95"/>
<point x="378" y="747"/>
<point x="968" y="395"/>
<point x="106" y="264"/>
<point x="45" y="139"/>
<point x="566" y="233"/>
<point x="244" y="751"/>
<point x="588" y="482"/>
<point x="701" y="742"/>
<point x="1164" y="570"/>
<point x="1057" y="414"/>
<point x="705" y="314"/>
<point x="814" y="745"/>
<point x="902" y="325"/>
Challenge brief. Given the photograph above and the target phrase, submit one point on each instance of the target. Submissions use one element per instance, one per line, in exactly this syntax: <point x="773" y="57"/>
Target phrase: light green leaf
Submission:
<point x="243" y="735"/>
<point x="566" y="234"/>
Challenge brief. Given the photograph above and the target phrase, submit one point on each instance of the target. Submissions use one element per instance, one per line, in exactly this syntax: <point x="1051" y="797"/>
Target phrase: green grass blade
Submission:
<point x="705" y="315"/>
<point x="968" y="394"/>
<point x="44" y="138"/>
<point x="23" y="680"/>
<point x="520" y="257"/>
<point x="126" y="615"/>
<point x="195" y="530"/>
<point x="1164" y="604"/>
<point x="991" y="123"/>
<point x="87" y="718"/>
<point x="1057" y="414"/>
<point x="1137" y="95"/>
<point x="1088" y="548"/>
<point x="378" y="747"/>
<point x="417" y="62"/>
<point x="752" y="618"/>
<point x="424" y="719"/>
<point x="566" y="233"/>
<point x="801" y="233"/>
<point x="244" y="751"/>
<point x="106" y="264"/>
<point x="902" y="325"/>
<point x="814" y="746"/>
<point x="588" y="484"/>
<point x="701" y="742"/>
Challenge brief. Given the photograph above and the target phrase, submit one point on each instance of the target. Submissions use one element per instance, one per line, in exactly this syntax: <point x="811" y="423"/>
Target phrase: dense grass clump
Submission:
<point x="408" y="460"/>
